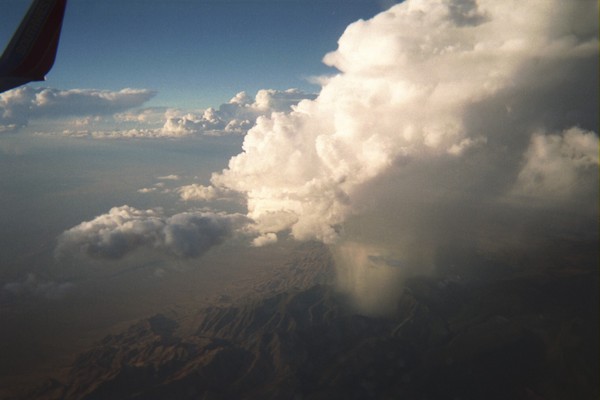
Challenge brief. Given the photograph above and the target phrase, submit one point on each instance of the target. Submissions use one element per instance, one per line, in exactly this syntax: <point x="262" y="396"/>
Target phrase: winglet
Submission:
<point x="31" y="52"/>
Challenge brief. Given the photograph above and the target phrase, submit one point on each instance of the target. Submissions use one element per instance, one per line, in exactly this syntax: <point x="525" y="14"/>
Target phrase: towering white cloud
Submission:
<point x="125" y="229"/>
<point x="424" y="83"/>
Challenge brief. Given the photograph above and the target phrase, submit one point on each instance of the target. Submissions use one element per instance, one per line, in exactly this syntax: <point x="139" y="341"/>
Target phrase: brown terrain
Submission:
<point x="529" y="335"/>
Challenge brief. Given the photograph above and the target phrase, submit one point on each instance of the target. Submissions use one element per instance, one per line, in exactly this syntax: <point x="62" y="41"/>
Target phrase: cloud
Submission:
<point x="125" y="229"/>
<point x="452" y="89"/>
<point x="234" y="117"/>
<point x="453" y="129"/>
<point x="197" y="192"/>
<point x="19" y="106"/>
<point x="143" y="115"/>
<point x="192" y="234"/>
<point x="161" y="186"/>
<point x="171" y="177"/>
<point x="558" y="166"/>
<point x="264" y="240"/>
<point x="31" y="285"/>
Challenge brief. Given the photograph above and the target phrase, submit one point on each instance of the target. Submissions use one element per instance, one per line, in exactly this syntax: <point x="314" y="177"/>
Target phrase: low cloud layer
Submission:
<point x="33" y="286"/>
<point x="19" y="106"/>
<point x="124" y="229"/>
<point x="234" y="117"/>
<point x="87" y="112"/>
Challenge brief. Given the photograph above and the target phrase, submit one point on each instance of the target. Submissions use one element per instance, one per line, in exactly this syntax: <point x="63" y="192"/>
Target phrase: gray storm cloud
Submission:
<point x="125" y="229"/>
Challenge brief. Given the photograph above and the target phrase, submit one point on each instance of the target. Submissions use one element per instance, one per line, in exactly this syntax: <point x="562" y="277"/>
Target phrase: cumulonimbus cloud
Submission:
<point x="125" y="229"/>
<point x="424" y="82"/>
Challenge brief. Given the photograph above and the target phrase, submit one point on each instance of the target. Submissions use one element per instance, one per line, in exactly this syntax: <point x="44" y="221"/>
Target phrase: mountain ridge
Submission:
<point x="526" y="336"/>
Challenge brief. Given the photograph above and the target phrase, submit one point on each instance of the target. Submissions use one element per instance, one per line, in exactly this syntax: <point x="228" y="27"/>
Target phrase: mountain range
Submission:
<point x="530" y="335"/>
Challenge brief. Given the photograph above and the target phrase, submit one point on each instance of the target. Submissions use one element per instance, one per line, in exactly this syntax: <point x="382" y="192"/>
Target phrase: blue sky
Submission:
<point x="195" y="54"/>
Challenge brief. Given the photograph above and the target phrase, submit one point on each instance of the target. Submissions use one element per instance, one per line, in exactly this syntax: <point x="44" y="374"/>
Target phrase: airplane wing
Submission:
<point x="31" y="52"/>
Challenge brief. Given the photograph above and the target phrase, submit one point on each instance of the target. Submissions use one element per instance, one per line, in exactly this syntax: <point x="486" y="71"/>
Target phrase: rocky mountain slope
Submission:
<point x="530" y="336"/>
